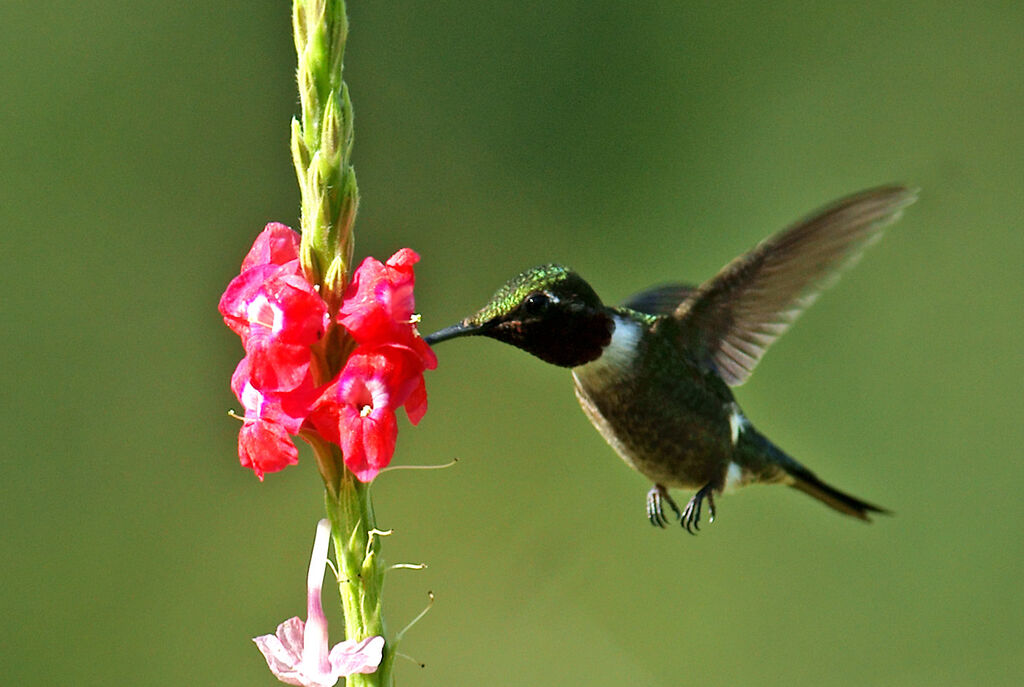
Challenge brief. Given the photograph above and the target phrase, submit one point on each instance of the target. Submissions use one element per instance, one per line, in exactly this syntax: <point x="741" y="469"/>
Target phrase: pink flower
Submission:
<point x="275" y="251"/>
<point x="275" y="311"/>
<point x="357" y="410"/>
<point x="297" y="653"/>
<point x="279" y="316"/>
<point x="286" y="317"/>
<point x="276" y="245"/>
<point x="263" y="442"/>
<point x="379" y="306"/>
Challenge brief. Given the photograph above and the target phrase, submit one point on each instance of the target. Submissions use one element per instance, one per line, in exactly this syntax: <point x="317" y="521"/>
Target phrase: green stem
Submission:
<point x="357" y="549"/>
<point x="322" y="145"/>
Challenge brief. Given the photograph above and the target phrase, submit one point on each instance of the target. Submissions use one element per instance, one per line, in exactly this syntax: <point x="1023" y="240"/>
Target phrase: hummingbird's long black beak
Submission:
<point x="452" y="332"/>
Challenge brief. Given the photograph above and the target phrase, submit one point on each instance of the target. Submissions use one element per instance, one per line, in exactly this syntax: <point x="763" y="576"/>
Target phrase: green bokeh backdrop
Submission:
<point x="145" y="144"/>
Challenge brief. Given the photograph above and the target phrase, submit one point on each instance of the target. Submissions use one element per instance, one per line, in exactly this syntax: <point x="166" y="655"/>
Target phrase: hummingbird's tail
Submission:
<point x="806" y="481"/>
<point x="830" y="496"/>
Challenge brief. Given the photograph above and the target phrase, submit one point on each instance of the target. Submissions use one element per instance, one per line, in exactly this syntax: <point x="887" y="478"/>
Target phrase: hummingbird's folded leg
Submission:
<point x="690" y="518"/>
<point x="655" y="514"/>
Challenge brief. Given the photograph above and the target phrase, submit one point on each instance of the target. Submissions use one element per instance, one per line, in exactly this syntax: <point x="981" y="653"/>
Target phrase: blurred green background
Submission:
<point x="145" y="145"/>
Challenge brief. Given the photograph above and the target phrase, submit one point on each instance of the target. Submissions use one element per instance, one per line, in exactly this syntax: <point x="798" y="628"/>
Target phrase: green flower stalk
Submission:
<point x="321" y="144"/>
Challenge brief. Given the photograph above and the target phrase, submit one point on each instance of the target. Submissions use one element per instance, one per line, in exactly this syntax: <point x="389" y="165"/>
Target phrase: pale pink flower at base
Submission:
<point x="297" y="653"/>
<point x="283" y="652"/>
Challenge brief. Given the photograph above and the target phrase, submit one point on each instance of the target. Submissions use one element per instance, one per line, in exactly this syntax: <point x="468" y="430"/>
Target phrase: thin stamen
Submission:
<point x="430" y="603"/>
<point x="449" y="464"/>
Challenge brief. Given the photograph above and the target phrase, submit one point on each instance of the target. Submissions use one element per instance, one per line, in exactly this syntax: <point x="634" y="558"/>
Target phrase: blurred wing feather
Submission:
<point x="660" y="300"/>
<point x="753" y="300"/>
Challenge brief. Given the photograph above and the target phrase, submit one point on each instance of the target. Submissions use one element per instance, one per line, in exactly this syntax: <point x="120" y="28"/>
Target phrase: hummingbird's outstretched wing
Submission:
<point x="740" y="311"/>
<point x="660" y="300"/>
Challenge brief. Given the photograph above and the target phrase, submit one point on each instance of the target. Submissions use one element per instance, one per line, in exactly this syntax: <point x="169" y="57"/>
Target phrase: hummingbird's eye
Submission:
<point x="536" y="303"/>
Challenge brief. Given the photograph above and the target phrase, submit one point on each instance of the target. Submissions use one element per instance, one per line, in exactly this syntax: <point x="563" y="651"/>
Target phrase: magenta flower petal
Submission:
<point x="264" y="444"/>
<point x="265" y="447"/>
<point x="278" y="317"/>
<point x="369" y="442"/>
<point x="416" y="404"/>
<point x="236" y="302"/>
<point x="357" y="410"/>
<point x="276" y="245"/>
<point x="378" y="307"/>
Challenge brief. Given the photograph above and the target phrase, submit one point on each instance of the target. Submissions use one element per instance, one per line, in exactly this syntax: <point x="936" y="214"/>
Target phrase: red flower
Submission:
<point x="279" y="315"/>
<point x="379" y="306"/>
<point x="276" y="312"/>
<point x="357" y="410"/>
<point x="276" y="245"/>
<point x="264" y="443"/>
<point x="286" y="317"/>
<point x="274" y="252"/>
<point x="265" y="447"/>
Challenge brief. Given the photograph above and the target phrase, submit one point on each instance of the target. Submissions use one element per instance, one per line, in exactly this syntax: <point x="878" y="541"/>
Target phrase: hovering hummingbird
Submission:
<point x="654" y="374"/>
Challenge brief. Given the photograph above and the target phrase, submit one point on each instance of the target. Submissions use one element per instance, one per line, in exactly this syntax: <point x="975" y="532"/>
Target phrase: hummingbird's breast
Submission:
<point x="664" y="414"/>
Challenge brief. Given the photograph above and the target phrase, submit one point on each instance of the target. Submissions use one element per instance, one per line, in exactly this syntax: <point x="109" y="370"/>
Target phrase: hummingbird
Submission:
<point x="655" y="374"/>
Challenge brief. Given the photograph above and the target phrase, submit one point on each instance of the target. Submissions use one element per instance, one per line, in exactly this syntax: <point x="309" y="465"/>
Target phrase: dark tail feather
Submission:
<point x="806" y="482"/>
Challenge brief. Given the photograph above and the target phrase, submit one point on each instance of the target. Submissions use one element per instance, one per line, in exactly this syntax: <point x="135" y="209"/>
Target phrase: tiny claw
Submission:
<point x="691" y="514"/>
<point x="655" y="511"/>
<point x="690" y="518"/>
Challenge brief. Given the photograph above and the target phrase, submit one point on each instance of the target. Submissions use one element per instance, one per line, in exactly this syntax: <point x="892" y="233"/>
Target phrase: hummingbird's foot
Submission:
<point x="655" y="514"/>
<point x="690" y="519"/>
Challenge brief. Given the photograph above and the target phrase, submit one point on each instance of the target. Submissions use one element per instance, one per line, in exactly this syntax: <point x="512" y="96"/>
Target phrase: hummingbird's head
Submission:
<point x="549" y="311"/>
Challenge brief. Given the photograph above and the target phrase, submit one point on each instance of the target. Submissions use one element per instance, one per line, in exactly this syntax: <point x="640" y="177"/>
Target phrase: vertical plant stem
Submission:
<point x="321" y="143"/>
<point x="357" y="549"/>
